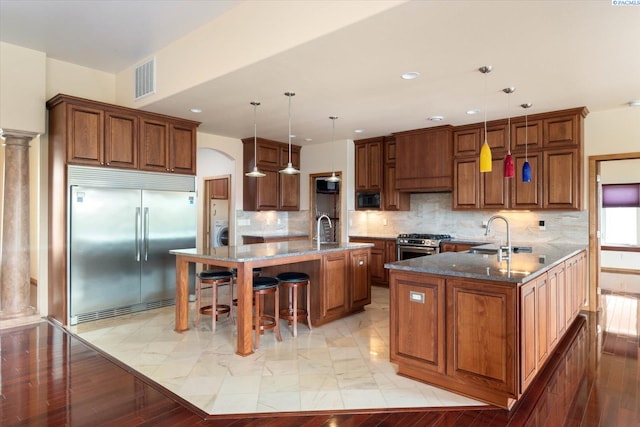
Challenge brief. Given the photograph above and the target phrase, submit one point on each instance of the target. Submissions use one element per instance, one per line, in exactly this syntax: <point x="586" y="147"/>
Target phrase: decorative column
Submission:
<point x="15" y="273"/>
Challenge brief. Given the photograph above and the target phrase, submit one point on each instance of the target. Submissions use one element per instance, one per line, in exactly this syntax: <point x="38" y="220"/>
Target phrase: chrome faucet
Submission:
<point x="507" y="248"/>
<point x="318" y="227"/>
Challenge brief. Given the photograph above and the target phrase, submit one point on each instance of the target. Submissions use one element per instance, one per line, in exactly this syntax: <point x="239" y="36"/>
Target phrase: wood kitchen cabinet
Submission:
<point x="383" y="251"/>
<point x="562" y="179"/>
<point x="275" y="191"/>
<point x="360" y="291"/>
<point x="100" y="137"/>
<point x="424" y="160"/>
<point x="375" y="171"/>
<point x="392" y="199"/>
<point x="334" y="300"/>
<point x="554" y="151"/>
<point x="99" y="134"/>
<point x="167" y="147"/>
<point x="417" y="327"/>
<point x="457" y="246"/>
<point x="369" y="164"/>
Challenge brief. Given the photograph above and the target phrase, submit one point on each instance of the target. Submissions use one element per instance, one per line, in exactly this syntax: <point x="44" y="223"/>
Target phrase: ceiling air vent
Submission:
<point x="145" y="79"/>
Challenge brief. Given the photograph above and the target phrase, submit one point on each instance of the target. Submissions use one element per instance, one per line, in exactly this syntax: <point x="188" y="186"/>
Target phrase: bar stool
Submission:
<point x="293" y="281"/>
<point x="261" y="322"/>
<point x="213" y="278"/>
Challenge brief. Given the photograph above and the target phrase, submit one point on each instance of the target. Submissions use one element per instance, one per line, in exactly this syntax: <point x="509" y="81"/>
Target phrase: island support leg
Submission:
<point x="182" y="294"/>
<point x="245" y="308"/>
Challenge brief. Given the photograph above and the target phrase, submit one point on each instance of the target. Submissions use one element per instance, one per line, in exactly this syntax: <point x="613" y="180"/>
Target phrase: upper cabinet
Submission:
<point x="424" y="160"/>
<point x="376" y="171"/>
<point x="369" y="164"/>
<point x="274" y="191"/>
<point x="98" y="134"/>
<point x="553" y="144"/>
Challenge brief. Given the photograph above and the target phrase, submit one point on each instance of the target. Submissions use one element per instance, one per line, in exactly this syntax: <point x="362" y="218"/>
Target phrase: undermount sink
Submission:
<point x="491" y="250"/>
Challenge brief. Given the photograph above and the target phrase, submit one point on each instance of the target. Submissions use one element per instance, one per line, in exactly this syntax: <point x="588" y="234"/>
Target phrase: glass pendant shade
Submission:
<point x="289" y="170"/>
<point x="509" y="167"/>
<point x="526" y="172"/>
<point x="255" y="173"/>
<point x="333" y="178"/>
<point x="485" y="158"/>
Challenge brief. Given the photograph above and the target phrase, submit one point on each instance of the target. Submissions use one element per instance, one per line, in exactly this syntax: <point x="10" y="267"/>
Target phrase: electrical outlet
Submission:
<point x="484" y="224"/>
<point x="245" y="221"/>
<point x="384" y="221"/>
<point x="541" y="225"/>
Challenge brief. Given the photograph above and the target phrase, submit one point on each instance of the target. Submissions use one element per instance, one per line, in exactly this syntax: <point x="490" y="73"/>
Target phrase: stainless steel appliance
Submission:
<point x="122" y="225"/>
<point x="366" y="200"/>
<point x="416" y="245"/>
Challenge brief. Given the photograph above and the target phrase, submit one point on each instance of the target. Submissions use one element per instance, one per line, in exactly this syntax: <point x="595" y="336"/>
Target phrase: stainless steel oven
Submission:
<point x="417" y="245"/>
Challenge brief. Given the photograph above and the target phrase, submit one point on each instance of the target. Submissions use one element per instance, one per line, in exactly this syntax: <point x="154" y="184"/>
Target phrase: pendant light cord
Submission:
<point x="255" y="132"/>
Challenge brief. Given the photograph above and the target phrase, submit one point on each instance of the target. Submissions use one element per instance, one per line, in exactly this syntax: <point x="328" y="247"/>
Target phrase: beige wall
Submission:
<point x="22" y="88"/>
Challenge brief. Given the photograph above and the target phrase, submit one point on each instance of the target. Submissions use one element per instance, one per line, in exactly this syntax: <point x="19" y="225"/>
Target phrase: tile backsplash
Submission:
<point x="431" y="213"/>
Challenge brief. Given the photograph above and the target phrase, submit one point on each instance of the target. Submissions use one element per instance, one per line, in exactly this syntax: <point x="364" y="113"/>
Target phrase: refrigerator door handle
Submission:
<point x="146" y="234"/>
<point x="138" y="234"/>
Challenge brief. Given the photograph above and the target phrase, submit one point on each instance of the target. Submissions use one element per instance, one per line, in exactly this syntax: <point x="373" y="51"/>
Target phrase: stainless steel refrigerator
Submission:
<point x="121" y="228"/>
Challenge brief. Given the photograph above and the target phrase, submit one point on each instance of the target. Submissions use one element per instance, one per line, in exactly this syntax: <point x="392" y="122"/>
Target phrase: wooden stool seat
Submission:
<point x="213" y="278"/>
<point x="261" y="322"/>
<point x="292" y="281"/>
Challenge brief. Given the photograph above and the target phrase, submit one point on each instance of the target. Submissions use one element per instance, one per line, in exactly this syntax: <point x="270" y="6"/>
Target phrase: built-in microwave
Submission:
<point x="367" y="200"/>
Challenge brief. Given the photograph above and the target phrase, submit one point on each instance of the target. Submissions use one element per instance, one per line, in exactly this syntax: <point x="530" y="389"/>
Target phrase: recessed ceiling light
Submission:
<point x="472" y="112"/>
<point x="359" y="130"/>
<point x="635" y="103"/>
<point x="436" y="118"/>
<point x="196" y="110"/>
<point x="308" y="139"/>
<point x="410" y="75"/>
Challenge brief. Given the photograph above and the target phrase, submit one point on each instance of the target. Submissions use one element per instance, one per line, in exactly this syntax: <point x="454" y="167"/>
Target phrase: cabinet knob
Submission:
<point x="102" y="163"/>
<point x="361" y="262"/>
<point x="172" y="170"/>
<point x="108" y="164"/>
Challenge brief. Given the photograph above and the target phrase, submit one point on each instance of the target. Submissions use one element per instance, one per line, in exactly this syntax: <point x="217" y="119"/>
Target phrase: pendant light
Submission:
<point x="255" y="173"/>
<point x="485" y="151"/>
<point x="509" y="167"/>
<point x="526" y="167"/>
<point x="290" y="170"/>
<point x="333" y="177"/>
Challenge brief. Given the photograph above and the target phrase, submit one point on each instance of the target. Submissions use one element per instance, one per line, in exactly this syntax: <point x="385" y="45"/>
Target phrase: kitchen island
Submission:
<point x="339" y="274"/>
<point x="484" y="328"/>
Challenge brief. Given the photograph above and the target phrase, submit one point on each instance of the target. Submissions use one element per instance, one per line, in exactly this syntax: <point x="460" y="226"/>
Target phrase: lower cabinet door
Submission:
<point x="481" y="334"/>
<point x="417" y="326"/>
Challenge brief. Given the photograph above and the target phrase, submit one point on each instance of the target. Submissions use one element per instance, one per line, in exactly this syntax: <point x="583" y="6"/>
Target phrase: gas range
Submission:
<point x="425" y="240"/>
<point x="416" y="245"/>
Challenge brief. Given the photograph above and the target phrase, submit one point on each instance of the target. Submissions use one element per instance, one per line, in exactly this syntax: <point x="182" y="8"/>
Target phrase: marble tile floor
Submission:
<point x="341" y="365"/>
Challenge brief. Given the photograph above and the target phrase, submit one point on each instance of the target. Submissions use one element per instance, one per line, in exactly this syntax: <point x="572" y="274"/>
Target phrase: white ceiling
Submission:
<point x="557" y="54"/>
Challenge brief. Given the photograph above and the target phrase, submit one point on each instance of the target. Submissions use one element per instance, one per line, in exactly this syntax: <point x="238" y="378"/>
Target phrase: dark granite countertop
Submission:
<point x="522" y="267"/>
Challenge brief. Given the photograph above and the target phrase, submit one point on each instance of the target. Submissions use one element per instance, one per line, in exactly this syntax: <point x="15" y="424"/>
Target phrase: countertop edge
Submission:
<point x="513" y="280"/>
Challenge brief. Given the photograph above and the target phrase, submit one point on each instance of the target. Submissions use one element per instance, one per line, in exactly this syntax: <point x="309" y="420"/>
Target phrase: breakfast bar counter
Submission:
<point x="339" y="273"/>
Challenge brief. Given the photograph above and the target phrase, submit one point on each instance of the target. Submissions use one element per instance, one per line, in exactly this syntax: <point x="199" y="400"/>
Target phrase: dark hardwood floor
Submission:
<point x="50" y="377"/>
